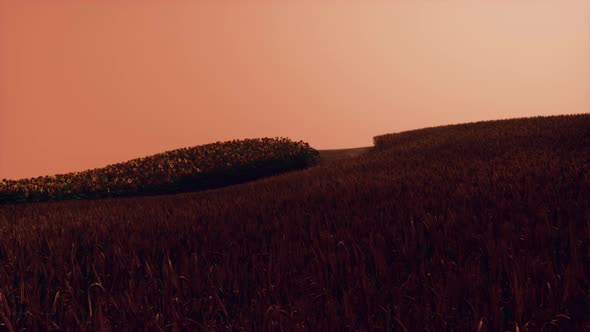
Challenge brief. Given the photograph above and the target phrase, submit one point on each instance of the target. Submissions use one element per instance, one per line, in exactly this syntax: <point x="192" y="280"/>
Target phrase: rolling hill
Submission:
<point x="474" y="227"/>
<point x="194" y="168"/>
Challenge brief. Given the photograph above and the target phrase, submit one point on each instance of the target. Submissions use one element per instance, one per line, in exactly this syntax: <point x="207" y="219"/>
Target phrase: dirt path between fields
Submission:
<point x="329" y="156"/>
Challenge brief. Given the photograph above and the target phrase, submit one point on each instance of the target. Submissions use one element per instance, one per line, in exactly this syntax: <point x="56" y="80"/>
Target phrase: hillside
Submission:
<point x="195" y="168"/>
<point x="475" y="227"/>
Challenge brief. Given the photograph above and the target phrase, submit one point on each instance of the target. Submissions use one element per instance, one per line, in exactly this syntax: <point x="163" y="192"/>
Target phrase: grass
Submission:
<point x="474" y="227"/>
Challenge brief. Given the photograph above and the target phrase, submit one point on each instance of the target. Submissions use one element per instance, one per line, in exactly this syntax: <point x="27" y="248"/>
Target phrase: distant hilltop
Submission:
<point x="186" y="169"/>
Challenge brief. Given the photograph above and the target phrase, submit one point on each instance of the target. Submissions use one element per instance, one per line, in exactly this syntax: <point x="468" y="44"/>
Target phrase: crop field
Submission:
<point x="188" y="169"/>
<point x="474" y="227"/>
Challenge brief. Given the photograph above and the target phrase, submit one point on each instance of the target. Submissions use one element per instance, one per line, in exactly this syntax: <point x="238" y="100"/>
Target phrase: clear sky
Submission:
<point x="86" y="84"/>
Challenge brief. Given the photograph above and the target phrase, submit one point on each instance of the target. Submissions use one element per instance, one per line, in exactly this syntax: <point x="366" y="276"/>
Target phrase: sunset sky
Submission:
<point x="86" y="84"/>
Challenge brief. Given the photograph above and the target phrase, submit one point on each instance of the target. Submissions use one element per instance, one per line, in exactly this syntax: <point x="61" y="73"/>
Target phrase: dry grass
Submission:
<point x="477" y="227"/>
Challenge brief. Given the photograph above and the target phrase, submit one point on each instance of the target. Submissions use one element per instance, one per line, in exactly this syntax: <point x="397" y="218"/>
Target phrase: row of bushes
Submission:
<point x="187" y="169"/>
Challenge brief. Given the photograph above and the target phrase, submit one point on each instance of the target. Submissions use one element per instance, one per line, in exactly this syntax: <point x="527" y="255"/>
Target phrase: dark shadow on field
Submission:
<point x="224" y="178"/>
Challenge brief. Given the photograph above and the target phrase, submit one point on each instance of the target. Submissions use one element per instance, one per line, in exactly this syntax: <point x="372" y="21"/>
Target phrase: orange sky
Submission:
<point x="85" y="85"/>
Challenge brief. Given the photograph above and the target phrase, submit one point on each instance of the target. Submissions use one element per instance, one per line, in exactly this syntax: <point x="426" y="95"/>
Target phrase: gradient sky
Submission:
<point x="83" y="85"/>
